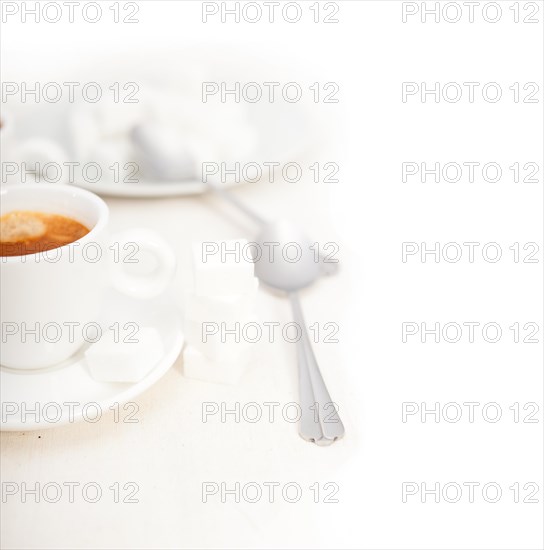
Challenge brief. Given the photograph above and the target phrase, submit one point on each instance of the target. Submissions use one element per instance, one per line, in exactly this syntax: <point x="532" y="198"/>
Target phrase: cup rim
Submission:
<point x="74" y="191"/>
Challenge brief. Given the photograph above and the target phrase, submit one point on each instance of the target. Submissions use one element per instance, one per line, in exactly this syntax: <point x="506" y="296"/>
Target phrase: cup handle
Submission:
<point x="128" y="248"/>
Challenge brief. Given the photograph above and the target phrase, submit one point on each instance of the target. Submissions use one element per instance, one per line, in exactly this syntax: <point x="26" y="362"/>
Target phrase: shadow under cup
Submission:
<point x="50" y="301"/>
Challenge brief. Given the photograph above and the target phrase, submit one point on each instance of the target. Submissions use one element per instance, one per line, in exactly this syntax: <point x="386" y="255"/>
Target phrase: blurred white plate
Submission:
<point x="49" y="389"/>
<point x="170" y="92"/>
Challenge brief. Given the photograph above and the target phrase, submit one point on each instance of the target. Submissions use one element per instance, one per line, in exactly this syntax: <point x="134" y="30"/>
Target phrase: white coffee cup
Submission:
<point x="48" y="300"/>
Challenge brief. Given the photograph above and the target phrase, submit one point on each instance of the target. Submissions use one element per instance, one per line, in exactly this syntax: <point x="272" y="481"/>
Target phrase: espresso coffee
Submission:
<point x="25" y="232"/>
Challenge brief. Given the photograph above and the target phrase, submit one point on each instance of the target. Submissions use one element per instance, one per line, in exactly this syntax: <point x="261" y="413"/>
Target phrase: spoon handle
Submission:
<point x="323" y="411"/>
<point x="229" y="197"/>
<point x="309" y="427"/>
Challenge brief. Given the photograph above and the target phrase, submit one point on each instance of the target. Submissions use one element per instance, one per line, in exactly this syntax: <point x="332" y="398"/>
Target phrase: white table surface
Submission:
<point x="170" y="452"/>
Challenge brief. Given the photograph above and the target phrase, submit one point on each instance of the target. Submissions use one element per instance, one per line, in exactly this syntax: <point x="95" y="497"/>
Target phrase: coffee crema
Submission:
<point x="25" y="232"/>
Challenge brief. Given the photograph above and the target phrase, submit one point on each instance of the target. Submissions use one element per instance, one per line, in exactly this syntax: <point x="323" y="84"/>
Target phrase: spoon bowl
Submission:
<point x="285" y="259"/>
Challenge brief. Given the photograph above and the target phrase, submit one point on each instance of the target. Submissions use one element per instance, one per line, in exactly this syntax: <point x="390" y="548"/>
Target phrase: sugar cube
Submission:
<point x="236" y="307"/>
<point x="109" y="151"/>
<point x="117" y="119"/>
<point x="39" y="152"/>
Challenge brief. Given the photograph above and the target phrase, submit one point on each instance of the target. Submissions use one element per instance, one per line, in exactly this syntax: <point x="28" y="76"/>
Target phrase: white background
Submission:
<point x="170" y="452"/>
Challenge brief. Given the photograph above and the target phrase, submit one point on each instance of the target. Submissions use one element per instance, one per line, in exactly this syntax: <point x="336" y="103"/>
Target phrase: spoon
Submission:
<point x="280" y="243"/>
<point x="319" y="420"/>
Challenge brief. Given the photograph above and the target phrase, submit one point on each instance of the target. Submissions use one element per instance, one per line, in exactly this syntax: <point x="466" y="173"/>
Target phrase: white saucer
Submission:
<point x="47" y="390"/>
